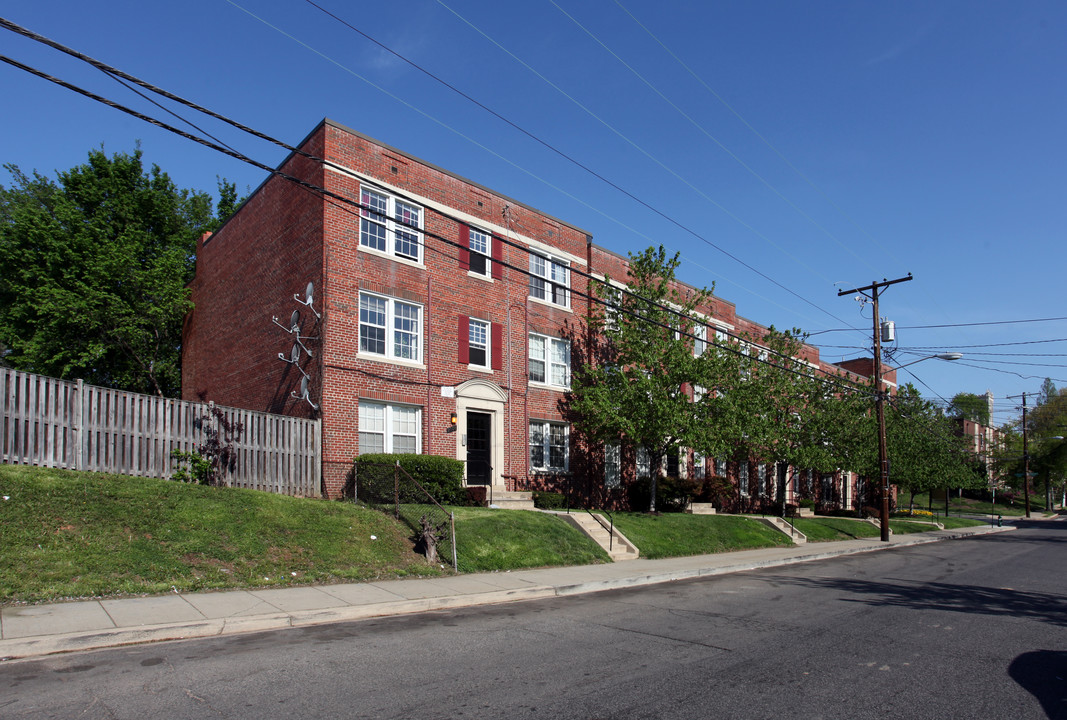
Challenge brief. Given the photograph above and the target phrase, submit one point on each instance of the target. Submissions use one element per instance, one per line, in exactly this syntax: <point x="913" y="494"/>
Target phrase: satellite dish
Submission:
<point x="310" y="293"/>
<point x="303" y="387"/>
<point x="294" y="354"/>
<point x="294" y="320"/>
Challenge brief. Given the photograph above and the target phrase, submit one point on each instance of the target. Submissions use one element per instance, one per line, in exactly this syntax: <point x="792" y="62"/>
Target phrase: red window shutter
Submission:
<point x="464" y="247"/>
<point x="463" y="338"/>
<point x="498" y="345"/>
<point x="498" y="258"/>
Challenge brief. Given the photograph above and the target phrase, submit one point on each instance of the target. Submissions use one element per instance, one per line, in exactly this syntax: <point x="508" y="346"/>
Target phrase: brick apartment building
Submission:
<point x="310" y="306"/>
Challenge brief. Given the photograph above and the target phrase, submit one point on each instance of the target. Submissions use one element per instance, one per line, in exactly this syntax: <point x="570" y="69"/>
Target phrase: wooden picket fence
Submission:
<point x="56" y="423"/>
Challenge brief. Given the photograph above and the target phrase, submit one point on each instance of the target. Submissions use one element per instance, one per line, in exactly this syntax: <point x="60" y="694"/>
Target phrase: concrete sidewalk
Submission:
<point x="34" y="630"/>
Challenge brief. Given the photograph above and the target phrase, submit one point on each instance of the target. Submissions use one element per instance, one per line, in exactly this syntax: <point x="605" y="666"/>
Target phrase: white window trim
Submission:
<point x="390" y="330"/>
<point x="547" y="360"/>
<point x="549" y="261"/>
<point x="391" y="226"/>
<point x="546" y="445"/>
<point x="488" y="254"/>
<point x="700" y="343"/>
<point x="612" y="465"/>
<point x="488" y="366"/>
<point x="388" y="432"/>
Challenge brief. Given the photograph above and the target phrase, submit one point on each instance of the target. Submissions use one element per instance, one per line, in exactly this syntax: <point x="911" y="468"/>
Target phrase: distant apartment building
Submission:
<point x="431" y="297"/>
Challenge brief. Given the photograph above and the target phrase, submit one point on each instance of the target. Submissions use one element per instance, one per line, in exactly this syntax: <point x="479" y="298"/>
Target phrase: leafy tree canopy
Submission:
<point x="972" y="407"/>
<point x="95" y="266"/>
<point x="633" y="388"/>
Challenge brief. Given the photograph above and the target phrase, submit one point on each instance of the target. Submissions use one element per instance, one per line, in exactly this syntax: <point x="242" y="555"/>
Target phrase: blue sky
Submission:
<point x="824" y="144"/>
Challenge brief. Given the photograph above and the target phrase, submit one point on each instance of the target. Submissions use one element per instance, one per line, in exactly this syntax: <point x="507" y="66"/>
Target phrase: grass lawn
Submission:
<point x="680" y="534"/>
<point x="827" y="529"/>
<point x="489" y="539"/>
<point x="968" y="506"/>
<point x="73" y="535"/>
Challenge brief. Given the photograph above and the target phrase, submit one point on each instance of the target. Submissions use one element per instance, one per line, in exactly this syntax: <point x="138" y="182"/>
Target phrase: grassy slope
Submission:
<point x="65" y="535"/>
<point x="512" y="539"/>
<point x="677" y="535"/>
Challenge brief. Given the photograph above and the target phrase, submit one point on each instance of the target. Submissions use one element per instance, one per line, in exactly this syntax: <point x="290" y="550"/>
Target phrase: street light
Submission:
<point x="883" y="450"/>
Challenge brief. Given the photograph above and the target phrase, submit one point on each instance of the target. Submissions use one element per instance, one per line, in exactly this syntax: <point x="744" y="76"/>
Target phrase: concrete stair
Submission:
<point x="783" y="527"/>
<point x="616" y="545"/>
<point x="512" y="500"/>
<point x="700" y="509"/>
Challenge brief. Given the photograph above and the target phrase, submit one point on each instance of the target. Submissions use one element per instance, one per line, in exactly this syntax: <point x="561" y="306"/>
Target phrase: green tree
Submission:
<point x="776" y="408"/>
<point x="1047" y="426"/>
<point x="95" y="266"/>
<point x="632" y="388"/>
<point x="970" y="406"/>
<point x="924" y="450"/>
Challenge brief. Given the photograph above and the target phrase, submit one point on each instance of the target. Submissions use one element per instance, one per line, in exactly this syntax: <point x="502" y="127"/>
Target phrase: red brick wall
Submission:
<point x="246" y="273"/>
<point x="285" y="236"/>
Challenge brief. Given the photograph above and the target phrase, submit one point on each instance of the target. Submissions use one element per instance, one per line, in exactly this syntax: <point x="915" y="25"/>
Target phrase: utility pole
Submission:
<point x="1026" y="456"/>
<point x="879" y="394"/>
<point x="1026" y="463"/>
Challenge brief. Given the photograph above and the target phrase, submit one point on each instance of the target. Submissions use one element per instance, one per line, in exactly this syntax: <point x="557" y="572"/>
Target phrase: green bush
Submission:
<point x="672" y="494"/>
<point x="441" y="477"/>
<point x="806" y="503"/>
<point x="549" y="500"/>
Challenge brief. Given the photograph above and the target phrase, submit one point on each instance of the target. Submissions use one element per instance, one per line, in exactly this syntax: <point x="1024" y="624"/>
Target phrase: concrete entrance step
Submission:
<point x="615" y="544"/>
<point x="512" y="500"/>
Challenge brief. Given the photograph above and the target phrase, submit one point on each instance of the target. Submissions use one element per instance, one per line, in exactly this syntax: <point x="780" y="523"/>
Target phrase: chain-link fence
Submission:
<point x="389" y="488"/>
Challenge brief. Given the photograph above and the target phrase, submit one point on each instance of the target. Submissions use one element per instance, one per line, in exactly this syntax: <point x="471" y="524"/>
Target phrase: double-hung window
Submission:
<point x="548" y="446"/>
<point x="550" y="361"/>
<point x="643" y="463"/>
<point x="480" y="244"/>
<point x="612" y="465"/>
<point x="700" y="344"/>
<point x="390" y="225"/>
<point x="549" y="280"/>
<point x="478" y="343"/>
<point x="699" y="466"/>
<point x="390" y="328"/>
<point x="388" y="428"/>
<point x="720" y="468"/>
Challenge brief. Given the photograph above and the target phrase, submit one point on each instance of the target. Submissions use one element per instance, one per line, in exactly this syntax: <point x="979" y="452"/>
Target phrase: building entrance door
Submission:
<point x="479" y="445"/>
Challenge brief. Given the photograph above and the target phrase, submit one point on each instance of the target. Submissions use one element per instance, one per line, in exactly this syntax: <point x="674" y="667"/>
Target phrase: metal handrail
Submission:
<point x="610" y="527"/>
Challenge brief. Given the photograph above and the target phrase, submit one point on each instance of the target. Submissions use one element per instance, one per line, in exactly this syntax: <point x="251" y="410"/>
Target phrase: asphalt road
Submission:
<point x="966" y="629"/>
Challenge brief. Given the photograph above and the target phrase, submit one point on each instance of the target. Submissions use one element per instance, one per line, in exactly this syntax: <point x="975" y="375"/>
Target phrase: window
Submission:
<point x="549" y="280"/>
<point x="761" y="475"/>
<point x="699" y="466"/>
<point x="720" y="468"/>
<point x="674" y="466"/>
<point x="478" y="343"/>
<point x="388" y="428"/>
<point x="701" y="342"/>
<point x="699" y="392"/>
<point x="384" y="216"/>
<point x="742" y="478"/>
<point x="548" y="445"/>
<point x="644" y="463"/>
<point x="479" y="252"/>
<point x="550" y="361"/>
<point x="390" y="328"/>
<point x="612" y="465"/>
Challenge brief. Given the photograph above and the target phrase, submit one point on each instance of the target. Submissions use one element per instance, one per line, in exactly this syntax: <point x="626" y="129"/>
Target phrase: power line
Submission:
<point x="360" y="207"/>
<point x="657" y="161"/>
<point x="715" y="140"/>
<point x="557" y="151"/>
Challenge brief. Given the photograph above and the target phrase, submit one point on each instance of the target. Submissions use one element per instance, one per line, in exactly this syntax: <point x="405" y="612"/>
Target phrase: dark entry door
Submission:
<point x="479" y="470"/>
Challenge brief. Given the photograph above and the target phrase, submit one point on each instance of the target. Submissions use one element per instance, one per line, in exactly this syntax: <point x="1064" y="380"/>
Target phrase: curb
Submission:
<point x="36" y="646"/>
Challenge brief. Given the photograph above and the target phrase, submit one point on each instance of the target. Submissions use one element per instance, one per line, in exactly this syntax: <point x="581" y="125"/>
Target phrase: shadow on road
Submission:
<point x="971" y="599"/>
<point x="1042" y="673"/>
